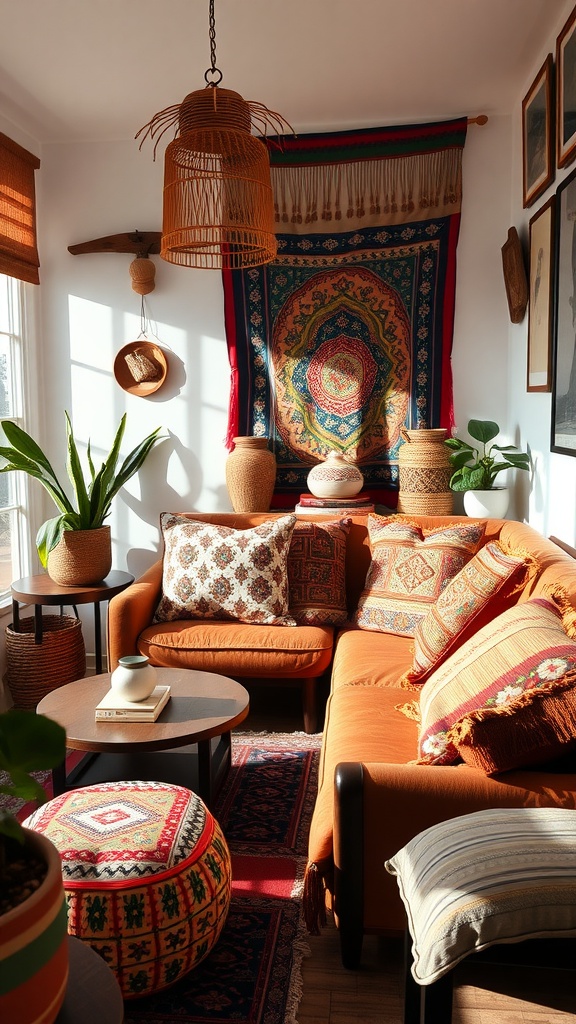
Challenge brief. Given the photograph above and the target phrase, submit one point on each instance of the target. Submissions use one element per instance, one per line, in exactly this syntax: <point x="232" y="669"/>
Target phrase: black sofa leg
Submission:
<point x="349" y="860"/>
<point x="426" y="1004"/>
<point x="310" y="705"/>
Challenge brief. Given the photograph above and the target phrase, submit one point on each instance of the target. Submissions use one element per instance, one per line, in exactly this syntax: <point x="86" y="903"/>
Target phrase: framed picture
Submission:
<point x="563" y="436"/>
<point x="538" y="133"/>
<point x="541" y="298"/>
<point x="566" y="92"/>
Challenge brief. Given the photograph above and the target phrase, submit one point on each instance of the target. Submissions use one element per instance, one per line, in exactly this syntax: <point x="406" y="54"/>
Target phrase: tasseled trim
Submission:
<point x="314" y="898"/>
<point x="559" y="595"/>
<point x="410" y="710"/>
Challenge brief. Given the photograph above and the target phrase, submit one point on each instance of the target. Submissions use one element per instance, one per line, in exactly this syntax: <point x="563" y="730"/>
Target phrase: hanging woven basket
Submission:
<point x="424" y="471"/>
<point x="35" y="669"/>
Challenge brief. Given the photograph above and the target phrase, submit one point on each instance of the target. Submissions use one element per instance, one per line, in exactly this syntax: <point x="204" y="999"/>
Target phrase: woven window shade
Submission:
<point x="18" y="248"/>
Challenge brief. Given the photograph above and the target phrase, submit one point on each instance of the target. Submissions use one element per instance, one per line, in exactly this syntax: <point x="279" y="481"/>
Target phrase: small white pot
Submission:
<point x="135" y="678"/>
<point x="487" y="504"/>
<point x="336" y="477"/>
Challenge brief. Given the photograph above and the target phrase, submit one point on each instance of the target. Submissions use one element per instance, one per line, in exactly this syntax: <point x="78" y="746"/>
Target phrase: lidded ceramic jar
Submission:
<point x="135" y="678"/>
<point x="336" y="477"/>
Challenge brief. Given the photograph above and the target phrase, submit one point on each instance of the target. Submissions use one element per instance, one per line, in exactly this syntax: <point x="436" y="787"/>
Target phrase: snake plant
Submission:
<point x="93" y="497"/>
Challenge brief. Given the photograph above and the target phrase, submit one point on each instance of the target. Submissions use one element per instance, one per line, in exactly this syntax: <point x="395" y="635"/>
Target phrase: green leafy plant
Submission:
<point x="93" y="497"/>
<point x="475" y="469"/>
<point x="28" y="743"/>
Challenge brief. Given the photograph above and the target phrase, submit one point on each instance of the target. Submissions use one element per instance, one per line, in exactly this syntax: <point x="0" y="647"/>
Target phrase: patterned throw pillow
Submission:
<point x="491" y="876"/>
<point x="317" y="573"/>
<point x="409" y="570"/>
<point x="478" y="592"/>
<point x="538" y="726"/>
<point x="524" y="647"/>
<point x="215" y="572"/>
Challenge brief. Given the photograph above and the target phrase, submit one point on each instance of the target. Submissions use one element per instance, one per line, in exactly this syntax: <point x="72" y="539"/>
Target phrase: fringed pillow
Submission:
<point x="409" y="570"/>
<point x="525" y="647"/>
<point x="481" y="591"/>
<point x="215" y="572"/>
<point x="317" y="573"/>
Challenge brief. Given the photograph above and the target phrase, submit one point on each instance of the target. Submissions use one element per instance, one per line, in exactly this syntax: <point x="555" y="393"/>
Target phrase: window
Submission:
<point x="14" y="542"/>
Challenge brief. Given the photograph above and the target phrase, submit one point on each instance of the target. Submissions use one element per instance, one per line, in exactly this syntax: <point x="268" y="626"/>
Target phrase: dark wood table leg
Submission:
<point x="15" y="615"/>
<point x="205" y="771"/>
<point x="59" y="779"/>
<point x="97" y="638"/>
<point x="38" y="623"/>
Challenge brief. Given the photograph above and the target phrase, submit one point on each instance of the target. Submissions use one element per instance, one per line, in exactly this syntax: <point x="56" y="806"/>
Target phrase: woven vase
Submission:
<point x="425" y="471"/>
<point x="33" y="670"/>
<point x="82" y="558"/>
<point x="251" y="474"/>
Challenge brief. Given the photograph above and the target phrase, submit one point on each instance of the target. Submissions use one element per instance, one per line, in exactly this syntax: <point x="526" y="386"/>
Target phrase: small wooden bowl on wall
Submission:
<point x="148" y="355"/>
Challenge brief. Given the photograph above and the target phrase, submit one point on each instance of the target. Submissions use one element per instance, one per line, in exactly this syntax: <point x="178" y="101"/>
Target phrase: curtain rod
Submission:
<point x="481" y="119"/>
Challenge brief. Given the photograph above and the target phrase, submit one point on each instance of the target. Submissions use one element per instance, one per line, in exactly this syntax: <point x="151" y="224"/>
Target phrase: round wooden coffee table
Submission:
<point x="202" y="709"/>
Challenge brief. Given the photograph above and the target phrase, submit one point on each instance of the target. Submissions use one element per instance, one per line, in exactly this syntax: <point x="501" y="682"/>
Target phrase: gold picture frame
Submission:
<point x="541" y="302"/>
<point x="538" y="168"/>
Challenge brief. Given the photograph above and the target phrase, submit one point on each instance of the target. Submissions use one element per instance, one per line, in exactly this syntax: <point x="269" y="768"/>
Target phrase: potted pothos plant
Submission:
<point x="476" y="468"/>
<point x="80" y="560"/>
<point x="33" y="921"/>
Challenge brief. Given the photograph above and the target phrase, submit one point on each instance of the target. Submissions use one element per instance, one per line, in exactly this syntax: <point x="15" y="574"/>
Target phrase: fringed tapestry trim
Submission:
<point x="367" y="178"/>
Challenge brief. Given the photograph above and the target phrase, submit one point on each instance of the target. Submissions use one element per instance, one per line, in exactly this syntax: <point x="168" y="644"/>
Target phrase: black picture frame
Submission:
<point x="563" y="425"/>
<point x="541" y="297"/>
<point x="566" y="92"/>
<point x="538" y="168"/>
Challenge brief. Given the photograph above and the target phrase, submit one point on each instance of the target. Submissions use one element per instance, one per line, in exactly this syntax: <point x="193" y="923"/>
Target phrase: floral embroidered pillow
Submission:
<point x="523" y="648"/>
<point x="215" y="572"/>
<point x="409" y="570"/>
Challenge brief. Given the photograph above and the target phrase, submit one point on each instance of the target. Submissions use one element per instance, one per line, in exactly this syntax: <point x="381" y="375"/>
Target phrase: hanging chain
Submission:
<point x="210" y="75"/>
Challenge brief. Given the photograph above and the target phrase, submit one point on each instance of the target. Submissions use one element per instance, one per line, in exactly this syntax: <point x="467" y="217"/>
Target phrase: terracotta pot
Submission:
<point x="34" y="947"/>
<point x="251" y="474"/>
<point x="82" y="558"/>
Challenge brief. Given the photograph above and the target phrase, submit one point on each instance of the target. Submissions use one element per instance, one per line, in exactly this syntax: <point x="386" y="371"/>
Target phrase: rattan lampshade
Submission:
<point x="218" y="206"/>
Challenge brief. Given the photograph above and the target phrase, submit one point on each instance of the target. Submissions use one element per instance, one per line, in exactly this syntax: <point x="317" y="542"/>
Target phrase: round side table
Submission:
<point x="41" y="590"/>
<point x="93" y="995"/>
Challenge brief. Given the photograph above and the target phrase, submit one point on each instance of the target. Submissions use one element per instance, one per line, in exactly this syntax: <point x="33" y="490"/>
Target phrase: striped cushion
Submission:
<point x="409" y="570"/>
<point x="492" y="876"/>
<point x="524" y="647"/>
<point x="477" y="593"/>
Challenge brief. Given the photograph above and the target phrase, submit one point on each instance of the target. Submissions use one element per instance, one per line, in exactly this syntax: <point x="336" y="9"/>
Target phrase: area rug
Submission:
<point x="254" y="974"/>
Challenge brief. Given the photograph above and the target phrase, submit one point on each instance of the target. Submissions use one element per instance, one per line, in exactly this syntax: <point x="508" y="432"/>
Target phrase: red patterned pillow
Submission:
<point x="317" y="573"/>
<point x="409" y="570"/>
<point x="215" y="572"/>
<point x="525" y="647"/>
<point x="475" y="595"/>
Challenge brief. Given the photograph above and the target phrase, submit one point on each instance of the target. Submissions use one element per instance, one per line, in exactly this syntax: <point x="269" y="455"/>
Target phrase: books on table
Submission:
<point x="113" y="708"/>
<point x="333" y="510"/>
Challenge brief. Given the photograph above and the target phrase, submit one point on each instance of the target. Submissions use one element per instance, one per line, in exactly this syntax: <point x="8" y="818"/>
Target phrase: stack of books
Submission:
<point x="113" y="708"/>
<point x="358" y="505"/>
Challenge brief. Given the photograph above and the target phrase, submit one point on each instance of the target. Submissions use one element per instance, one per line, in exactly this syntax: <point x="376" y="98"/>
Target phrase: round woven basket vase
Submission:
<point x="424" y="470"/>
<point x="251" y="474"/>
<point x="81" y="558"/>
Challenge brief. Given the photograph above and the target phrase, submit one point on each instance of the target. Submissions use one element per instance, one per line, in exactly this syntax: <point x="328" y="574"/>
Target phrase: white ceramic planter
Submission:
<point x="336" y="477"/>
<point x="487" y="504"/>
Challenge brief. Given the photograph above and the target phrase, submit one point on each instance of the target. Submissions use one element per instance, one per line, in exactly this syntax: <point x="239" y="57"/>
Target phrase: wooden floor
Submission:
<point x="373" y="994"/>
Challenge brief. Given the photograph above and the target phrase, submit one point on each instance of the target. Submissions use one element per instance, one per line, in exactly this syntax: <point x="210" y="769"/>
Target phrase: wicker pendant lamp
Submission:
<point x="218" y="205"/>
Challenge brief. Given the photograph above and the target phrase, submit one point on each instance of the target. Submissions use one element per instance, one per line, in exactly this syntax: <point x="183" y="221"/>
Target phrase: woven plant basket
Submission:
<point x="82" y="558"/>
<point x="33" y="670"/>
<point x="424" y="471"/>
<point x="251" y="474"/>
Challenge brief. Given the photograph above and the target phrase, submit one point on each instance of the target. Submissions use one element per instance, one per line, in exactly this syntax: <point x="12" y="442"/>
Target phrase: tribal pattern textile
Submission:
<point x="345" y="338"/>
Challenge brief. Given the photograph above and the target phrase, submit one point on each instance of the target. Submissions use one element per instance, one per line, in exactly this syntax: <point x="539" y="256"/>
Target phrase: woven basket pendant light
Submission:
<point x="218" y="208"/>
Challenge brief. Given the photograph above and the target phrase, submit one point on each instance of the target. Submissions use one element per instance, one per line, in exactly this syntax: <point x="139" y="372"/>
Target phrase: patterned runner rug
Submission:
<point x="253" y="975"/>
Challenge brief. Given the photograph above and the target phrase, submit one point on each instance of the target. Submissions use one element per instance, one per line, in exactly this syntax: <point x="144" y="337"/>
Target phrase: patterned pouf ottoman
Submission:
<point x="146" y="874"/>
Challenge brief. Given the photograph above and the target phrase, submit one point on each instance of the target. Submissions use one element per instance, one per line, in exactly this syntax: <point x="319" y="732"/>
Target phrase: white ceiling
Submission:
<point x="74" y="70"/>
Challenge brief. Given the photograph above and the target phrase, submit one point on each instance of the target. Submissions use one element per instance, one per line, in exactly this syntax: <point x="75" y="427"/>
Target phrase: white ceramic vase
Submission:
<point x="336" y="477"/>
<point x="135" y="678"/>
<point x="487" y="504"/>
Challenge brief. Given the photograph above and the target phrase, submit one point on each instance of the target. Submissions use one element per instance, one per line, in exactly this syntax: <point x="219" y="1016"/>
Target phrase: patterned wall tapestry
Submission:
<point x="346" y="337"/>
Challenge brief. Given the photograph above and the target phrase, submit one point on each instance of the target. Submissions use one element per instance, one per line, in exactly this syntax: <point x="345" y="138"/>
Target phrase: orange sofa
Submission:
<point x="372" y="798"/>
